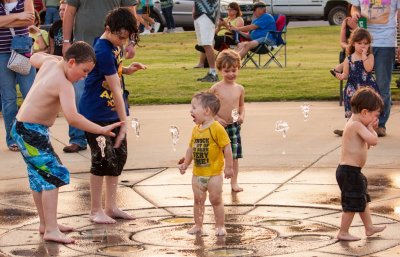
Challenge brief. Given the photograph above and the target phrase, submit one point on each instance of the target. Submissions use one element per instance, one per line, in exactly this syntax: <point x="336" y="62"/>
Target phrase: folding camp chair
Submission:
<point x="271" y="48"/>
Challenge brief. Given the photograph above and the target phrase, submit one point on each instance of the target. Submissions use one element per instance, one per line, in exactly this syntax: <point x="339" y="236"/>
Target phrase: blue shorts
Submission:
<point x="45" y="170"/>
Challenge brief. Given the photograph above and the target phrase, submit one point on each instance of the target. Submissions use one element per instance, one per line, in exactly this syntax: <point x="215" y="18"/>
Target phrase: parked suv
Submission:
<point x="333" y="11"/>
<point x="182" y="12"/>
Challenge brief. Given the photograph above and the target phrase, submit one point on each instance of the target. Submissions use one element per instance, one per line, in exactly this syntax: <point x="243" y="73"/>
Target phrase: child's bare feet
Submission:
<point x="220" y="231"/>
<point x="62" y="228"/>
<point x="119" y="214"/>
<point x="101" y="218"/>
<point x="347" y="237"/>
<point x="194" y="230"/>
<point x="236" y="188"/>
<point x="57" y="236"/>
<point x="373" y="230"/>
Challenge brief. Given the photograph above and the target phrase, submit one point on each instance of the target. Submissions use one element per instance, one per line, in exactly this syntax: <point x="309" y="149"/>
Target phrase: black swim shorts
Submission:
<point x="353" y="185"/>
<point x="106" y="160"/>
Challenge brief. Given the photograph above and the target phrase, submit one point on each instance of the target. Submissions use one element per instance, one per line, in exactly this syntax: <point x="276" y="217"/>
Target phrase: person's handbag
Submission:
<point x="19" y="44"/>
<point x="19" y="63"/>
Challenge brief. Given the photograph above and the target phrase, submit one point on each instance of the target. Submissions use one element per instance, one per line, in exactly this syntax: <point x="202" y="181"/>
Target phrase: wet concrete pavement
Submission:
<point x="290" y="205"/>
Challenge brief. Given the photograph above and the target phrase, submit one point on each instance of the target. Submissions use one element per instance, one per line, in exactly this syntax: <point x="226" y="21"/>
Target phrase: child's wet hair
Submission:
<point x="81" y="52"/>
<point x="356" y="36"/>
<point x="227" y="59"/>
<point x="122" y="18"/>
<point x="366" y="98"/>
<point x="208" y="100"/>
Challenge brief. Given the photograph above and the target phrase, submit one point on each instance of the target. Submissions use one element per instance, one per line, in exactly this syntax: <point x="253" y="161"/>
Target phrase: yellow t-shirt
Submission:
<point x="207" y="145"/>
<point x="233" y="23"/>
<point x="45" y="36"/>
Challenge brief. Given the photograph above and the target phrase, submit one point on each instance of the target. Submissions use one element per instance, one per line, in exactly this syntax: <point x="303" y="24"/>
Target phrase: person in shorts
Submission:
<point x="103" y="101"/>
<point x="52" y="89"/>
<point x="211" y="151"/>
<point x="231" y="113"/>
<point x="261" y="24"/>
<point x="205" y="15"/>
<point x="358" y="135"/>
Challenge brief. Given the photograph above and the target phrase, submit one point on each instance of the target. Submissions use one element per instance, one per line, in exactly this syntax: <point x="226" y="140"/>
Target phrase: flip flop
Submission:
<point x="13" y="148"/>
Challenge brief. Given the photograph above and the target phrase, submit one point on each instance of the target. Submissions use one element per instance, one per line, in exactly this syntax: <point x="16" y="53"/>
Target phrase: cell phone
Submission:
<point x="333" y="72"/>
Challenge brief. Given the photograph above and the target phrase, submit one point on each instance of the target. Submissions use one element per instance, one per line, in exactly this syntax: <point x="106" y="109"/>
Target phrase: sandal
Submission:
<point x="13" y="148"/>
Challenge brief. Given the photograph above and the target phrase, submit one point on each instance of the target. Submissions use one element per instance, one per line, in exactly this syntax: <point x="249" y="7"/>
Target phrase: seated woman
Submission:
<point x="223" y="36"/>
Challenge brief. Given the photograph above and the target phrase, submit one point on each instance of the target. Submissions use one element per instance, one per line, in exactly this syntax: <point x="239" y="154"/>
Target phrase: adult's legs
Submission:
<point x="209" y="51"/>
<point x="8" y="92"/>
<point x="384" y="61"/>
<point x="77" y="136"/>
<point x="170" y="17"/>
<point x="244" y="47"/>
<point x="52" y="15"/>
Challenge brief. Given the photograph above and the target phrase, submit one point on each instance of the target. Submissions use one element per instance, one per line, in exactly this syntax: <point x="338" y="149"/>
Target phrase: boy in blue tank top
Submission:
<point x="103" y="102"/>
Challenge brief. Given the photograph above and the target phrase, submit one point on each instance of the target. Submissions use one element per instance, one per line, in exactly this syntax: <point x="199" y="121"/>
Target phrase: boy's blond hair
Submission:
<point x="208" y="100"/>
<point x="227" y="59"/>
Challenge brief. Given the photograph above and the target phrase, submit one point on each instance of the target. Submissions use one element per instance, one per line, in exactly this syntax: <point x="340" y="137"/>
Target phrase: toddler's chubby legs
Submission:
<point x="370" y="229"/>
<point x="234" y="180"/>
<point x="46" y="204"/>
<point x="97" y="214"/>
<point x="215" y="190"/>
<point x="199" y="195"/>
<point x="347" y="218"/>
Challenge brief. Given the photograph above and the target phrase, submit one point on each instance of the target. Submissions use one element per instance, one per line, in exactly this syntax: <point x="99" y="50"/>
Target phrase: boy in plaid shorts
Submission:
<point x="231" y="113"/>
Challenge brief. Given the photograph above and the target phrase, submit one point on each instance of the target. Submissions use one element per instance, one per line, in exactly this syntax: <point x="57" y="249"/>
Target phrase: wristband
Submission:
<point x="67" y="41"/>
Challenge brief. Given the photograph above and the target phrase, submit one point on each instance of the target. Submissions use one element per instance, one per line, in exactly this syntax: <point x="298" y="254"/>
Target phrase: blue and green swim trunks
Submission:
<point x="45" y="170"/>
<point x="233" y="131"/>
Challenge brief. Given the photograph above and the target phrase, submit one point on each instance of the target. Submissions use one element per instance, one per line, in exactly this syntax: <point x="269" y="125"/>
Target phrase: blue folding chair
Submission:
<point x="270" y="47"/>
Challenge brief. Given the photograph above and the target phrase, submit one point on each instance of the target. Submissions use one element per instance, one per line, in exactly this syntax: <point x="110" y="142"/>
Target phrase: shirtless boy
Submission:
<point x="51" y="91"/>
<point x="358" y="135"/>
<point x="231" y="96"/>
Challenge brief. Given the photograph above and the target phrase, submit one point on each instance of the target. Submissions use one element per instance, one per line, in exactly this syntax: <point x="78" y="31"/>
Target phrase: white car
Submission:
<point x="182" y="12"/>
<point x="333" y="11"/>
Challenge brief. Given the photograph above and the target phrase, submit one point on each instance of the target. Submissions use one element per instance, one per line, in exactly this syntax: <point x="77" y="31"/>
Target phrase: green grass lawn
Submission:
<point x="170" y="78"/>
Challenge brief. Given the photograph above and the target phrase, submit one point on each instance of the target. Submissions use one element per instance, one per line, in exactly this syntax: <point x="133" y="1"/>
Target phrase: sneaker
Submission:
<point x="381" y="131"/>
<point x="156" y="26"/>
<point x="338" y="132"/>
<point x="145" y="32"/>
<point x="209" y="78"/>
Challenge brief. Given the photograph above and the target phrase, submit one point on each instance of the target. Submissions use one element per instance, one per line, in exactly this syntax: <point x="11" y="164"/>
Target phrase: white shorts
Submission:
<point x="205" y="30"/>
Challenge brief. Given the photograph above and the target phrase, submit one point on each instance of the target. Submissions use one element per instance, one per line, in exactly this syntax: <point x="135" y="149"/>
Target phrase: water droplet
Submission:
<point x="305" y="109"/>
<point x="136" y="126"/>
<point x="174" y="135"/>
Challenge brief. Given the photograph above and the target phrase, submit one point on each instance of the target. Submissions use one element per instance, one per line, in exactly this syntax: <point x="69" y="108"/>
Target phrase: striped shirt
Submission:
<point x="5" y="33"/>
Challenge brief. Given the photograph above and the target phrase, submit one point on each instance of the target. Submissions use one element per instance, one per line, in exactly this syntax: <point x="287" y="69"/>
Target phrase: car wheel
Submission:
<point x="157" y="18"/>
<point x="337" y="15"/>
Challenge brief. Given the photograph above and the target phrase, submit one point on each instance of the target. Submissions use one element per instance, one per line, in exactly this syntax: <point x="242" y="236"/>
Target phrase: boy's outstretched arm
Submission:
<point x="188" y="159"/>
<point x="135" y="66"/>
<point x="37" y="59"/>
<point x="228" y="161"/>
<point x="114" y="83"/>
<point x="67" y="101"/>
